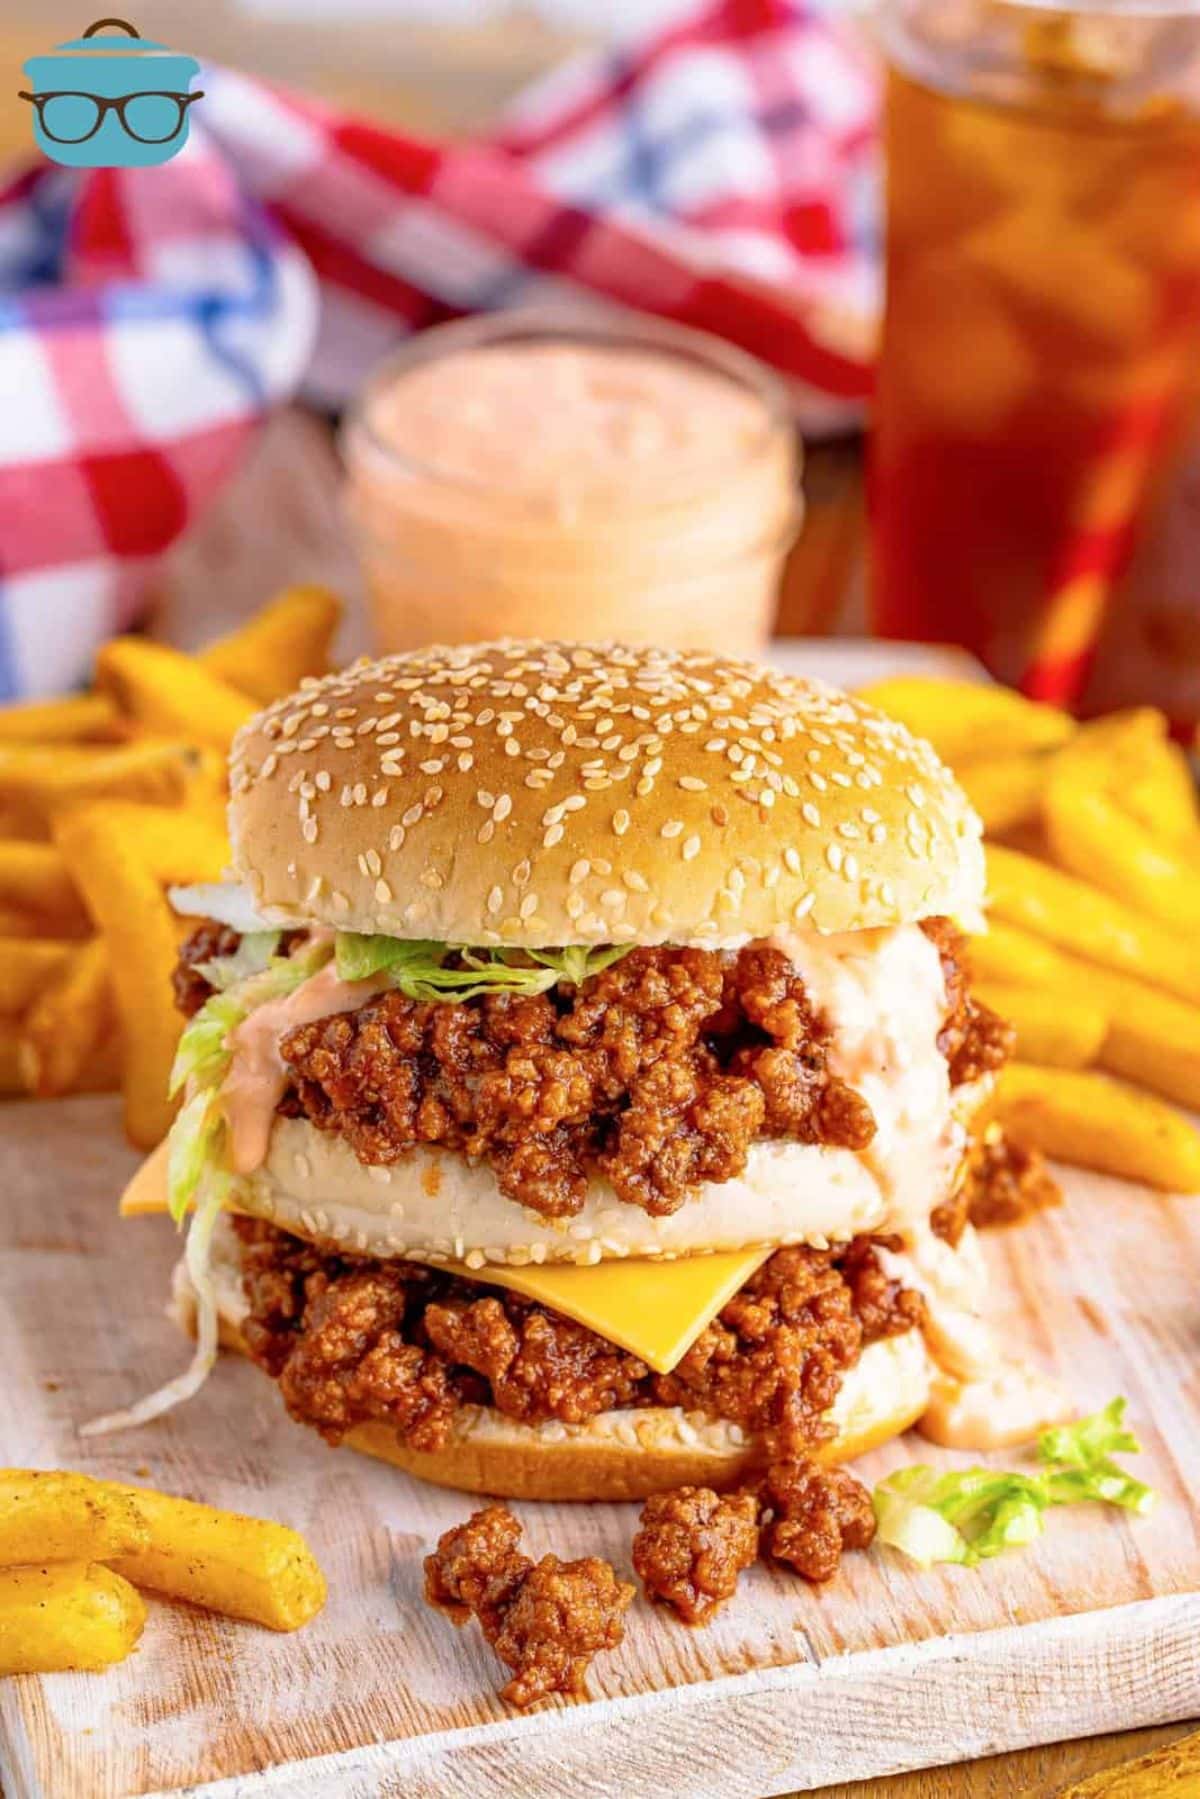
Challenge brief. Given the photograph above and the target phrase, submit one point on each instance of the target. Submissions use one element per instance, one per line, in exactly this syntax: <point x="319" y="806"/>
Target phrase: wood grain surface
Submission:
<point x="1097" y="1627"/>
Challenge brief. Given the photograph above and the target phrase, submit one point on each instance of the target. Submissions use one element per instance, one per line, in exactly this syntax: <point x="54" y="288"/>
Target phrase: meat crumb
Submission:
<point x="1005" y="1182"/>
<point x="974" y="1040"/>
<point x="692" y="1545"/>
<point x="545" y="1620"/>
<point x="814" y="1514"/>
<point x="1002" y="1183"/>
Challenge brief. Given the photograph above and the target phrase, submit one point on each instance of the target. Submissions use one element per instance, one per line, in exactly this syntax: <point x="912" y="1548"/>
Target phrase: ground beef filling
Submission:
<point x="352" y="1340"/>
<point x="545" y="1620"/>
<point x="691" y="1546"/>
<point x="658" y="1073"/>
<point x="974" y="1040"/>
<point x="1002" y="1183"/>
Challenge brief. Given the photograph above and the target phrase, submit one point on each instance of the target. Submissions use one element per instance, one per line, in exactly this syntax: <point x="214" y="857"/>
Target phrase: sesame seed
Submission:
<point x="620" y="823"/>
<point x="693" y="784"/>
<point x="383" y="893"/>
<point x="691" y="849"/>
<point x="672" y="828"/>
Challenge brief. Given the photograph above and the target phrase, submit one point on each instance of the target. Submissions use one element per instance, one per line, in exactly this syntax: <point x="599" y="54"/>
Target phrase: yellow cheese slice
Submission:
<point x="147" y="1191"/>
<point x="652" y="1308"/>
<point x="655" y="1309"/>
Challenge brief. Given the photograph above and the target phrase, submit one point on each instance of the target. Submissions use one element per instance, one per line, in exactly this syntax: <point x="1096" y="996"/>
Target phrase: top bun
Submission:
<point x="542" y="794"/>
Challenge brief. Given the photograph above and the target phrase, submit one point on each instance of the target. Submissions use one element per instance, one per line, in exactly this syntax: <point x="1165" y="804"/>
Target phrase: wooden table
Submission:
<point x="278" y="522"/>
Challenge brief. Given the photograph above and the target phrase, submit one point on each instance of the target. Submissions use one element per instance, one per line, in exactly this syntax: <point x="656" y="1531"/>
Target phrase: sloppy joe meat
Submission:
<point x="545" y="1620"/>
<point x="974" y="1040"/>
<point x="350" y="1339"/>
<point x="1002" y="1183"/>
<point x="813" y="1515"/>
<point x="691" y="1546"/>
<point x="656" y="1073"/>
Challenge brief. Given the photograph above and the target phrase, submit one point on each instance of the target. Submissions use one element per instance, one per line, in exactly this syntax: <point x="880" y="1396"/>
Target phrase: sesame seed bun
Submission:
<point x="621" y="1454"/>
<point x="540" y="794"/>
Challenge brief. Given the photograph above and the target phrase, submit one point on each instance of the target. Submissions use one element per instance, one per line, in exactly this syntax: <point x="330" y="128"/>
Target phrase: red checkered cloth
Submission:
<point x="721" y="173"/>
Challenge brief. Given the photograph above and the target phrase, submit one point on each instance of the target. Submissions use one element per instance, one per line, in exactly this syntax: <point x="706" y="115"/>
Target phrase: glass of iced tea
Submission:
<point x="1041" y="349"/>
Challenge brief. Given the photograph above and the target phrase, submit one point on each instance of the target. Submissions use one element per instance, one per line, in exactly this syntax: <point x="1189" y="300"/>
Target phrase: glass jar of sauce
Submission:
<point x="521" y="475"/>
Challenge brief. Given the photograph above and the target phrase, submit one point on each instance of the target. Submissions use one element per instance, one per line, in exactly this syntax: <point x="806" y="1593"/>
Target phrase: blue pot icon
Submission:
<point x="107" y="102"/>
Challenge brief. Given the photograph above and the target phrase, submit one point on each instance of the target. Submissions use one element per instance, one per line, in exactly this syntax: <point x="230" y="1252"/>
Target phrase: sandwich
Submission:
<point x="581" y="1073"/>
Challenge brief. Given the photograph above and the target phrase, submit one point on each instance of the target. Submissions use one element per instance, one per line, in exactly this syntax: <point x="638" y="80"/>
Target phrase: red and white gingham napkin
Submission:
<point x="721" y="173"/>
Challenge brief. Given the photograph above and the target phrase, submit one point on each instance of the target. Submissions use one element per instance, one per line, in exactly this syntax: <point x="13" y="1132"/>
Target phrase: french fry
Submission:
<point x="289" y="639"/>
<point x="966" y="719"/>
<point x="38" y="779"/>
<point x="1050" y="1030"/>
<point x="244" y="1567"/>
<point x="176" y="844"/>
<point x="1006" y="791"/>
<point x="34" y="880"/>
<point x="1130" y="754"/>
<point x="1153" y="1038"/>
<point x="130" y="909"/>
<point x="1080" y="918"/>
<point x="12" y="1080"/>
<point x="170" y="693"/>
<point x="1092" y="836"/>
<point x="81" y="718"/>
<point x="1010" y="957"/>
<point x="1098" y="1122"/>
<point x="26" y="964"/>
<point x="66" y="1615"/>
<point x="54" y="1516"/>
<point x="17" y="924"/>
<point x="67" y="1022"/>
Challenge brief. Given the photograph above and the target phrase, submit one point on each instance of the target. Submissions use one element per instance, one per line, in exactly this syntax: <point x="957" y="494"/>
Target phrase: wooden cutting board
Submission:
<point x="1096" y="1628"/>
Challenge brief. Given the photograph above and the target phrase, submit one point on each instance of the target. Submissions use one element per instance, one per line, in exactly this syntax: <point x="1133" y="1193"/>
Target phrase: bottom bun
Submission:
<point x="619" y="1454"/>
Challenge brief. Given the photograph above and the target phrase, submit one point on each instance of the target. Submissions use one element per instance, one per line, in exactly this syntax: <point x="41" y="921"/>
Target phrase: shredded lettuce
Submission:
<point x="198" y="1175"/>
<point x="967" y="1515"/>
<point x="250" y="957"/>
<point x="417" y="968"/>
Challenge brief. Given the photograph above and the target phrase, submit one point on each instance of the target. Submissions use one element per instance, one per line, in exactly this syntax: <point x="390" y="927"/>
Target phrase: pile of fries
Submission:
<point x="74" y="1553"/>
<point x="1093" y="952"/>
<point x="106" y="798"/>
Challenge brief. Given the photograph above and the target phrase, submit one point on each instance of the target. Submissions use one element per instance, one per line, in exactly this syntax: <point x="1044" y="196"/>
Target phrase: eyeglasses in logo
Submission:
<point x="104" y="102"/>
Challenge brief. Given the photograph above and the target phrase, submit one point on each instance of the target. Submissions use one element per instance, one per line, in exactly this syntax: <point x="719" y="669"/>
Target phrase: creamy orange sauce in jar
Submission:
<point x="513" y="476"/>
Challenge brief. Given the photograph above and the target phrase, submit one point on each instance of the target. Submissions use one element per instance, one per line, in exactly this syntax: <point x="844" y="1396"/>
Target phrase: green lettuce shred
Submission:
<point x="968" y="1515"/>
<point x="417" y="968"/>
<point x="251" y="956"/>
<point x="196" y="1146"/>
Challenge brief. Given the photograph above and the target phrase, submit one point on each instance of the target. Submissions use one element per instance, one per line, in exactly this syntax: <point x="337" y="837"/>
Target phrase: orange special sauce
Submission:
<point x="503" y="483"/>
